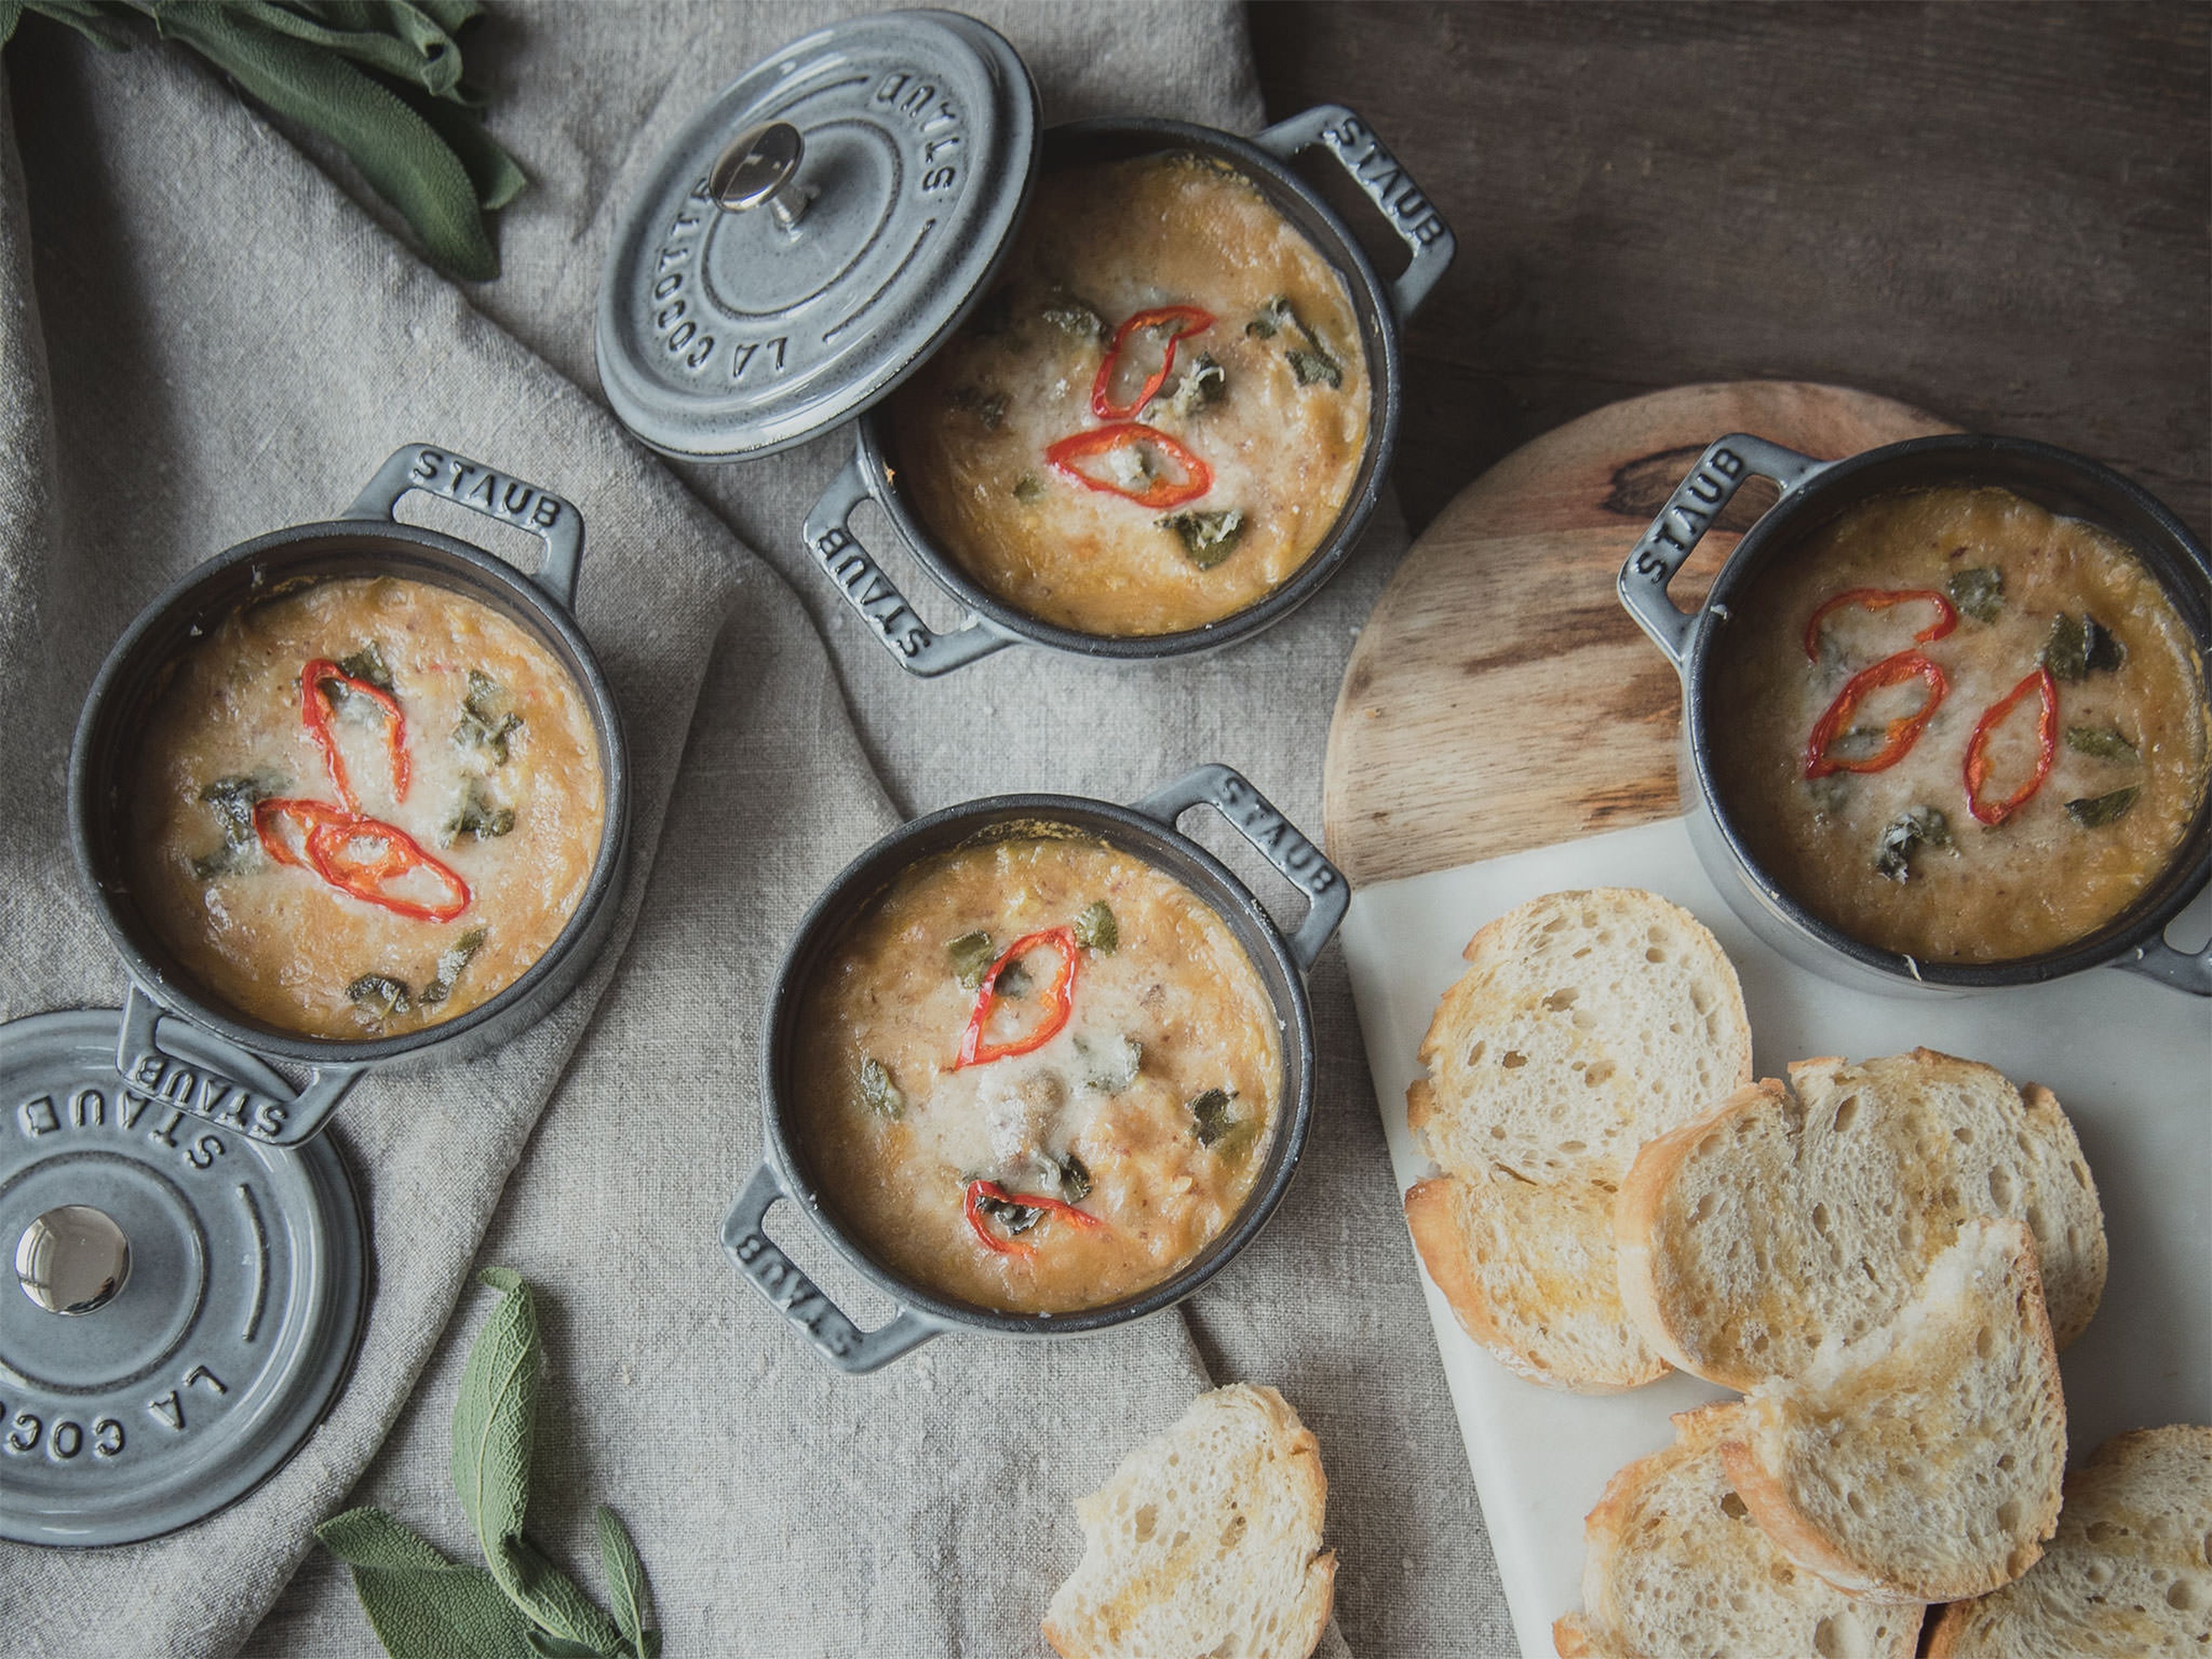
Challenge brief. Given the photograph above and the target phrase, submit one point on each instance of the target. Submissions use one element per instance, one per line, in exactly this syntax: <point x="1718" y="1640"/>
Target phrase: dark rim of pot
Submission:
<point x="2057" y="479"/>
<point x="862" y="883"/>
<point x="296" y="557"/>
<point x="1121" y="137"/>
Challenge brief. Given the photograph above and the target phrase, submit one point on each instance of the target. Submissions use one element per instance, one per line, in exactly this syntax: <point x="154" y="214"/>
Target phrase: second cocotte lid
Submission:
<point x="815" y="233"/>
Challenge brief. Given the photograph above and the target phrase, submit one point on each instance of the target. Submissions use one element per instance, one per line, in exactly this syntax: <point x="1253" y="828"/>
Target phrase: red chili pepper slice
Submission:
<point x="1880" y="598"/>
<point x="2046" y="740"/>
<point x="316" y="709"/>
<point x="1901" y="734"/>
<point x="307" y="815"/>
<point x="980" y="1190"/>
<point x="1104" y="440"/>
<point x="1184" y="320"/>
<point x="330" y="852"/>
<point x="1058" y="998"/>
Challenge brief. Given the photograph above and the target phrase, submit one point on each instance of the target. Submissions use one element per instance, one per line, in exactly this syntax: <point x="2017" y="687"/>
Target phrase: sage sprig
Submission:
<point x="380" y="78"/>
<point x="518" y="1604"/>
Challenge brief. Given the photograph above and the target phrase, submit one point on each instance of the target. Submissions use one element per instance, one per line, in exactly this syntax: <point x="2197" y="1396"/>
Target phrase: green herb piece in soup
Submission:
<point x="1111" y="1066"/>
<point x="486" y="722"/>
<point x="367" y="665"/>
<point x="2104" y="742"/>
<point x="972" y="956"/>
<point x="1074" y="1179"/>
<point x="1014" y="1217"/>
<point x="1978" y="593"/>
<point x="2080" y="645"/>
<point x="234" y="800"/>
<point x="2095" y="812"/>
<point x="1315" y="367"/>
<point x="1209" y="1117"/>
<point x="879" y="1093"/>
<point x="1096" y="929"/>
<point x="1273" y="318"/>
<point x="987" y="406"/>
<point x="1207" y="537"/>
<point x="1921" y="826"/>
<point x="451" y="961"/>
<point x="1204" y="382"/>
<point x="1029" y="487"/>
<point x="380" y="996"/>
<point x="1076" y="317"/>
<point x="477" y="814"/>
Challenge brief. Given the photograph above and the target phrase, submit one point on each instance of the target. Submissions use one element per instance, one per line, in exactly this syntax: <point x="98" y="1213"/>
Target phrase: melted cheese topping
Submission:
<point x="1177" y="985"/>
<point x="277" y="942"/>
<point x="2040" y="880"/>
<point x="971" y="428"/>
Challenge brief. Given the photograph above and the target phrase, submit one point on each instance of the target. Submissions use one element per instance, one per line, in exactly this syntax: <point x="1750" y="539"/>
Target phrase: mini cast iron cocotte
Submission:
<point x="896" y="156"/>
<point x="366" y="540"/>
<point x="1814" y="493"/>
<point x="1146" y="830"/>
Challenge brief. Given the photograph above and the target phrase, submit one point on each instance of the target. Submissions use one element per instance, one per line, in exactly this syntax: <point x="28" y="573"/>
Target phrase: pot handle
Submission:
<point x="829" y="538"/>
<point x="150" y="1070"/>
<point x="468" y="484"/>
<point x="1682" y="523"/>
<point x="1387" y="185"/>
<point x="1248" y="811"/>
<point x="795" y="1296"/>
<point x="2185" y="970"/>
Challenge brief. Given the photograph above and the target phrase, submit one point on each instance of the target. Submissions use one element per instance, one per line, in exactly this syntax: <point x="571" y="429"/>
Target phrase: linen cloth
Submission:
<point x="780" y="1508"/>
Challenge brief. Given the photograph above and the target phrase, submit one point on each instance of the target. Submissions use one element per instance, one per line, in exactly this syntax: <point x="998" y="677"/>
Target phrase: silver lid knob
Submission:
<point x="72" y="1260"/>
<point x="760" y="167"/>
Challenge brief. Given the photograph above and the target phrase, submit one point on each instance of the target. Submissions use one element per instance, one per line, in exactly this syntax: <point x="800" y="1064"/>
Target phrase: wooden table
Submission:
<point x="1995" y="212"/>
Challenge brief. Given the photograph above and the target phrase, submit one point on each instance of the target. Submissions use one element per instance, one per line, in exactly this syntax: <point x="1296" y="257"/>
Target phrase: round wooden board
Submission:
<point x="1500" y="698"/>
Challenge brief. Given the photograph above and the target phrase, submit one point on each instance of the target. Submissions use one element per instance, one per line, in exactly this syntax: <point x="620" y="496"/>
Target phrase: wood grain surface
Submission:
<point x="1996" y="210"/>
<point x="1500" y="698"/>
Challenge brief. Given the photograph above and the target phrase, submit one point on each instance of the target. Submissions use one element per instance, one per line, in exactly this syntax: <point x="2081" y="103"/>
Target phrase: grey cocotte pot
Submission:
<point x="822" y="227"/>
<point x="1814" y="493"/>
<point x="1146" y="829"/>
<point x="365" y="539"/>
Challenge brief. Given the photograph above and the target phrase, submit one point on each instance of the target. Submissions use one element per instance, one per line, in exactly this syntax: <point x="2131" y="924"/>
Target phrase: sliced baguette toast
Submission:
<point x="1586" y="1022"/>
<point x="1206" y="1541"/>
<point x="1922" y="1461"/>
<point x="2128" y="1574"/>
<point x="1792" y="1216"/>
<point x="1528" y="1273"/>
<point x="1675" y="1566"/>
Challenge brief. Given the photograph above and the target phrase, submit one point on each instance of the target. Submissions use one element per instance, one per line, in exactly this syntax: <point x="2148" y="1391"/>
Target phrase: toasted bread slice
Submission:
<point x="1206" y="1541"/>
<point x="1921" y="1462"/>
<point x="1528" y="1270"/>
<point x="1585" y="1023"/>
<point x="1675" y="1566"/>
<point x="2129" y="1572"/>
<point x="1789" y="1217"/>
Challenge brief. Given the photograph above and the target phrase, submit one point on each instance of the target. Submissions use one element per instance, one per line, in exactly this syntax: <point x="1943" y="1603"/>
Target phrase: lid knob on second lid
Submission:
<point x="72" y="1260"/>
<point x="760" y="166"/>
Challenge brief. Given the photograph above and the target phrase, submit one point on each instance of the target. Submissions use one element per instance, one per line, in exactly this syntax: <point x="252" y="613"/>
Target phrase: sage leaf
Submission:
<point x="972" y="956"/>
<point x="1207" y="537"/>
<point x="2105" y="742"/>
<point x="418" y="50"/>
<point x="625" y="1579"/>
<point x="555" y="1602"/>
<point x="1209" y="1115"/>
<point x="1978" y="594"/>
<point x="1920" y="826"/>
<point x="1097" y="928"/>
<point x="2095" y="812"/>
<point x="495" y="1418"/>
<point x="879" y="1093"/>
<point x="559" y="1647"/>
<point x="398" y="152"/>
<point x="1315" y="367"/>
<point x="421" y="1605"/>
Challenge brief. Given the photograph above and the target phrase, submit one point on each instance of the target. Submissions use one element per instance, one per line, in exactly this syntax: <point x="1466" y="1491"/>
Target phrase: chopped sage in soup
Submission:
<point x="972" y="956"/>
<point x="878" y="1092"/>
<point x="1922" y="826"/>
<point x="2104" y="742"/>
<point x="1097" y="928"/>
<point x="2094" y="812"/>
<point x="1207" y="537"/>
<point x="451" y="960"/>
<point x="1978" y="593"/>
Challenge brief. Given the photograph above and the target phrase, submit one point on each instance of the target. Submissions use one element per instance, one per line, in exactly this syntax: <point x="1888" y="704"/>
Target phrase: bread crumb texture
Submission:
<point x="1207" y="1543"/>
<point x="1677" y="1567"/>
<point x="2129" y="1572"/>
